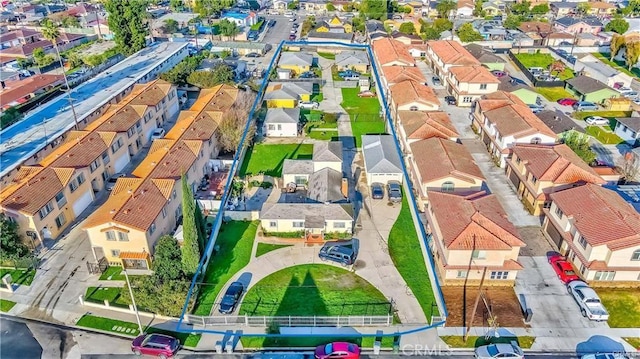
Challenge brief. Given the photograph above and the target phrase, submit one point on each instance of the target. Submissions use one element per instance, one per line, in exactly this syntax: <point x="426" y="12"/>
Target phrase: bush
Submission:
<point x="337" y="235"/>
<point x="330" y="117"/>
<point x="296" y="234"/>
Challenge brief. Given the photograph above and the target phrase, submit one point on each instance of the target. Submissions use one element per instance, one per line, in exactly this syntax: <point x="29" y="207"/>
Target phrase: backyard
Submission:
<point x="19" y="276"/>
<point x="618" y="65"/>
<point x="268" y="159"/>
<point x="580" y="115"/>
<point x="543" y="61"/>
<point x="235" y="242"/>
<point x="604" y="134"/>
<point x="623" y="306"/>
<point x="314" y="290"/>
<point x="364" y="113"/>
<point x="320" y="130"/>
<point x="553" y="94"/>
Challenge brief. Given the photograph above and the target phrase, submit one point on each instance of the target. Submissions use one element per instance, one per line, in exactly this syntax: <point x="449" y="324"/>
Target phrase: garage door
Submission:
<point x="82" y="203"/>
<point x="121" y="162"/>
<point x="385" y="177"/>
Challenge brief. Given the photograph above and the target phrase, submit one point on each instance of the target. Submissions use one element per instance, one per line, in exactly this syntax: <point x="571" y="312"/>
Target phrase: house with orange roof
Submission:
<point x="412" y="96"/>
<point x="468" y="83"/>
<point x="390" y="52"/>
<point x="471" y="234"/>
<point x="14" y="93"/>
<point x="502" y="120"/>
<point x="536" y="171"/>
<point x="601" y="8"/>
<point x="445" y="54"/>
<point x="598" y="231"/>
<point x="440" y="165"/>
<point x="396" y="74"/>
<point x="414" y="126"/>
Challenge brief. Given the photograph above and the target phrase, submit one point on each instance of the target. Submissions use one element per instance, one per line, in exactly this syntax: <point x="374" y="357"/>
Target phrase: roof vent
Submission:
<point x="129" y="191"/>
<point x="112" y="211"/>
<point x="127" y="211"/>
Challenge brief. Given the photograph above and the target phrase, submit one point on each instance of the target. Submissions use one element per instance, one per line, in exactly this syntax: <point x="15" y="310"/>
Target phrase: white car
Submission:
<point x="596" y="121"/>
<point x="309" y="105"/>
<point x="588" y="301"/>
<point x="499" y="351"/>
<point x="158" y="133"/>
<point x="111" y="182"/>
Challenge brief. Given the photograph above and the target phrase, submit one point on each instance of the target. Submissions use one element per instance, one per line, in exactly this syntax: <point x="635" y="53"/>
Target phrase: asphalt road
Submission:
<point x="281" y="30"/>
<point x="17" y="341"/>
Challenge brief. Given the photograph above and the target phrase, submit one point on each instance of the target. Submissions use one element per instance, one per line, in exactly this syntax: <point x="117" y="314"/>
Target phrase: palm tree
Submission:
<point x="50" y="32"/>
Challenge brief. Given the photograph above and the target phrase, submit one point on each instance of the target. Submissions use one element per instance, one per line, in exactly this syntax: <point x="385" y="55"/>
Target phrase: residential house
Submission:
<point x="601" y="8"/>
<point x="412" y="96"/>
<point x="407" y="39"/>
<point x="523" y="92"/>
<point x="628" y="128"/>
<point x="465" y="8"/>
<point x="445" y="54"/>
<point x="563" y="8"/>
<point x="471" y="233"/>
<point x="592" y="67"/>
<point x="326" y="155"/>
<point x="576" y="25"/>
<point x="418" y="51"/>
<point x="413" y="126"/>
<point x="312" y="220"/>
<point x="559" y="123"/>
<point x="241" y="19"/>
<point x="586" y="88"/>
<point x="598" y="231"/>
<point x="282" y="122"/>
<point x="20" y="36"/>
<point x="353" y="60"/>
<point x="313" y="5"/>
<point x="587" y="39"/>
<point x="297" y="62"/>
<point x="389" y="52"/>
<point x="536" y="171"/>
<point x="486" y="57"/>
<point x="537" y="30"/>
<point x="381" y="161"/>
<point x="502" y="120"/>
<point x="469" y="83"/>
<point x="493" y="8"/>
<point x="287" y="94"/>
<point x="560" y="39"/>
<point x="397" y="74"/>
<point x="441" y="165"/>
<point x="14" y="93"/>
<point x="7" y="77"/>
<point x="281" y="4"/>
<point x="490" y="29"/>
<point x="335" y="25"/>
<point x="343" y="38"/>
<point x="521" y="40"/>
<point x="375" y="30"/>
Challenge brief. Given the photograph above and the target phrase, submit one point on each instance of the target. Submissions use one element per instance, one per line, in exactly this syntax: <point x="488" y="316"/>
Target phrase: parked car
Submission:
<point x="596" y="121"/>
<point x="349" y="75"/>
<point x="517" y="81"/>
<point x="157" y="133"/>
<point x="253" y="54"/>
<point x="630" y="94"/>
<point x="292" y="19"/>
<point x="272" y="23"/>
<point x="502" y="350"/>
<point x="377" y="191"/>
<point x="338" y="350"/>
<point x="588" y="301"/>
<point x="309" y="105"/>
<point x="394" y="189"/>
<point x="231" y="298"/>
<point x="436" y="81"/>
<point x="307" y="75"/>
<point x="567" y="101"/>
<point x="159" y="345"/>
<point x="288" y="14"/>
<point x="498" y="73"/>
<point x="563" y="268"/>
<point x="111" y="182"/>
<point x="536" y="108"/>
<point x="585" y="106"/>
<point x="339" y="252"/>
<point x="605" y="356"/>
<point x="450" y="100"/>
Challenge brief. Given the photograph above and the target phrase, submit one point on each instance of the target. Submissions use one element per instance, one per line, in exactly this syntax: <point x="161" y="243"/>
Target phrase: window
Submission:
<point x="80" y="178"/>
<point x="76" y="182"/>
<point x="339" y="225"/>
<point x="61" y="199"/>
<point x="534" y="179"/>
<point x="60" y="220"/>
<point x="116" y="146"/>
<point x="467" y="99"/>
<point x="131" y="131"/>
<point x="461" y="274"/>
<point x="45" y="210"/>
<point x="536" y="140"/>
<point x="298" y="224"/>
<point x="111" y="235"/>
<point x="583" y="242"/>
<point x="605" y="275"/>
<point x="546" y="205"/>
<point x="300" y="180"/>
<point x="138" y="126"/>
<point x="499" y="275"/>
<point x="152" y="228"/>
<point x="105" y="158"/>
<point x="94" y="166"/>
<point x="273" y="224"/>
<point x="636" y="255"/>
<point x="413" y="108"/>
<point x="115" y="253"/>
<point x="279" y="127"/>
<point x="559" y="212"/>
<point x="123" y="237"/>
<point x="483" y="86"/>
<point x="476" y="254"/>
<point x="271" y="127"/>
<point x="448" y="186"/>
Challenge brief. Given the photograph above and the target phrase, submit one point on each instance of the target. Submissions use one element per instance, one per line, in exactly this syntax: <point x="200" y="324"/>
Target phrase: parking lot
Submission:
<point x="280" y="31"/>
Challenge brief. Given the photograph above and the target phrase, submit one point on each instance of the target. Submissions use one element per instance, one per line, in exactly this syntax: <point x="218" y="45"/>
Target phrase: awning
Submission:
<point x="135" y="255"/>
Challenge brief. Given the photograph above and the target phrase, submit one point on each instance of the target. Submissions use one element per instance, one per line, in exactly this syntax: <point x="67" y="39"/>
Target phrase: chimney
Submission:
<point x="345" y="188"/>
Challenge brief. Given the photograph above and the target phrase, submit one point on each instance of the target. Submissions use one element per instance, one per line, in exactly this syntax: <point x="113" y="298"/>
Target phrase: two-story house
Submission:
<point x="412" y="96"/>
<point x="390" y="52"/>
<point x="503" y="120"/>
<point x="472" y="234"/>
<point x="577" y="25"/>
<point x="469" y="83"/>
<point x="413" y="126"/>
<point x="445" y="54"/>
<point x="397" y="74"/>
<point x="536" y="171"/>
<point x="601" y="8"/>
<point x="598" y="231"/>
<point x="563" y="8"/>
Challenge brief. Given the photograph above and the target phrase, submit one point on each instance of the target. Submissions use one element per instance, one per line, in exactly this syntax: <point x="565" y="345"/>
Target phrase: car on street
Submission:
<point x="567" y="101"/>
<point x="271" y="23"/>
<point x="502" y="350"/>
<point x="585" y="106"/>
<point x="605" y="356"/>
<point x="517" y="81"/>
<point x="596" y="121"/>
<point x="288" y="14"/>
<point x="253" y="54"/>
<point x="292" y="19"/>
<point x="158" y="133"/>
<point x="590" y="305"/>
<point x="563" y="268"/>
<point x="436" y="81"/>
<point x="231" y="298"/>
<point x="498" y="73"/>
<point x="309" y="105"/>
<point x="159" y="345"/>
<point x="394" y="189"/>
<point x="339" y="252"/>
<point x="348" y="15"/>
<point x="450" y="100"/>
<point x="292" y="37"/>
<point x="377" y="191"/>
<point x="111" y="182"/>
<point x="337" y="350"/>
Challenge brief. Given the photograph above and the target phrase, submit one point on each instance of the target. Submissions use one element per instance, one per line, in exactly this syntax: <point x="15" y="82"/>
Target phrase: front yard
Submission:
<point x="623" y="306"/>
<point x="543" y="61"/>
<point x="6" y="305"/>
<point x="114" y="295"/>
<point x="19" y="276"/>
<point x="235" y="242"/>
<point x="268" y="159"/>
<point x="581" y="115"/>
<point x="299" y="342"/>
<point x="553" y="94"/>
<point x="604" y="134"/>
<point x="474" y="342"/>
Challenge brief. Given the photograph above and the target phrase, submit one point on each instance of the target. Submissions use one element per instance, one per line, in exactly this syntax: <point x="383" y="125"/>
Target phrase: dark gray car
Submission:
<point x="394" y="190"/>
<point x="342" y="252"/>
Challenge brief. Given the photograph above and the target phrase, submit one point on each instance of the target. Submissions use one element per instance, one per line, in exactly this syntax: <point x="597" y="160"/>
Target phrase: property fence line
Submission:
<point x="291" y="321"/>
<point x="529" y="75"/>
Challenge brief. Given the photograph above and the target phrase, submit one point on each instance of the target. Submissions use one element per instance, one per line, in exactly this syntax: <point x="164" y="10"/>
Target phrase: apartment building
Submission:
<point x="469" y="83"/>
<point x="445" y="54"/>
<point x="536" y="171"/>
<point x="502" y="120"/>
<point x="390" y="52"/>
<point x="598" y="231"/>
<point x="413" y="126"/>
<point x="412" y="96"/>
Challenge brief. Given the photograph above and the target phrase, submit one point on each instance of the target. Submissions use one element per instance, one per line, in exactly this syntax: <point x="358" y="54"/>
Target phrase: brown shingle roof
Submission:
<point x="555" y="163"/>
<point x="437" y="158"/>
<point x="452" y="53"/>
<point x="411" y="91"/>
<point x="423" y="124"/>
<point x="389" y="50"/>
<point x="537" y="27"/>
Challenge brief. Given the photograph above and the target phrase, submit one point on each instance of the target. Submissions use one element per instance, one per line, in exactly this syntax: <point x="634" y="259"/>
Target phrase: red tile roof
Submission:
<point x="427" y="124"/>
<point x="476" y="74"/>
<point x="395" y="74"/>
<point x="388" y="50"/>
<point x="410" y="91"/>
<point x="512" y="118"/>
<point x="555" y="163"/>
<point x="452" y="53"/>
<point x="29" y="195"/>
<point x="437" y="158"/>
<point x="18" y="90"/>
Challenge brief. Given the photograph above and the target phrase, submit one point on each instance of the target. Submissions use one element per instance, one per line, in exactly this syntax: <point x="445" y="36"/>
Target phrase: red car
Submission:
<point x="567" y="101"/>
<point x="162" y="346"/>
<point x="336" y="350"/>
<point x="563" y="268"/>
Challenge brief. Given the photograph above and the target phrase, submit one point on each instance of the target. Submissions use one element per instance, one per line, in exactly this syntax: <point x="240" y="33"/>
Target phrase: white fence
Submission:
<point x="291" y="321"/>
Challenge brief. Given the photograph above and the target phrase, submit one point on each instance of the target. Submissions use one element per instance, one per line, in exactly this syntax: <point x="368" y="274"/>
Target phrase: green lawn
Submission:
<point x="321" y="130"/>
<point x="604" y="134"/>
<point x="268" y="159"/>
<point x="264" y="248"/>
<point x="186" y="339"/>
<point x="406" y="253"/>
<point x="607" y="114"/>
<point x="19" y="276"/>
<point x="474" y="342"/>
<point x="317" y="98"/>
<point x="359" y="105"/>
<point x="623" y="306"/>
<point x="634" y="342"/>
<point x="257" y="25"/>
<point x="113" y="273"/>
<point x="109" y="325"/>
<point x="297" y="342"/>
<point x="327" y="55"/>
<point x="235" y="241"/>
<point x="543" y="60"/>
<point x="618" y="65"/>
<point x="314" y="289"/>
<point x="553" y="93"/>
<point x="6" y="305"/>
<point x="334" y="73"/>
<point x="360" y="128"/>
<point x="113" y="294"/>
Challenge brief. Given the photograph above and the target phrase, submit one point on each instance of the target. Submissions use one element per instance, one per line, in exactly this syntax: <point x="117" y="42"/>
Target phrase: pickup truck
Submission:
<point x="588" y="301"/>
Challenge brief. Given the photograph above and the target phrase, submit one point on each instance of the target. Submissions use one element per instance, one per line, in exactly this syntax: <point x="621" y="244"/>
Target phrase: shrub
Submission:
<point x="296" y="234"/>
<point x="330" y="118"/>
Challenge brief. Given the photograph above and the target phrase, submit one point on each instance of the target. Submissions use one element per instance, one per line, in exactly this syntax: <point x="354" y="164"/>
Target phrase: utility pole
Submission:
<point x="475" y="306"/>
<point x="133" y="301"/>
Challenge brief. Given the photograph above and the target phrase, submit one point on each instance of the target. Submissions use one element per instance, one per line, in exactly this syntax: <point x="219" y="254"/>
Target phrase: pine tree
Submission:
<point x="190" y="246"/>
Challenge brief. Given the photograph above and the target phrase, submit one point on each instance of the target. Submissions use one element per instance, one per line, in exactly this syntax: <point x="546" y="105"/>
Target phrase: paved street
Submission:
<point x="280" y="31"/>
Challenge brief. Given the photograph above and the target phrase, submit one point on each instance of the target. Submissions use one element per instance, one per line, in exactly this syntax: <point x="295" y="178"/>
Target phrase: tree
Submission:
<point x="70" y="21"/>
<point x="629" y="167"/>
<point x="201" y="225"/>
<point x="477" y="8"/>
<point x="292" y="5"/>
<point x="632" y="53"/>
<point x="617" y="25"/>
<point x="220" y="74"/>
<point x="540" y="9"/>
<point x="9" y="117"/>
<point x="431" y="34"/>
<point x="617" y="42"/>
<point x="11" y="245"/>
<point x="633" y="7"/>
<point x="228" y="28"/>
<point x="234" y="123"/>
<point x="374" y="9"/>
<point x="358" y="23"/>
<point x="406" y="9"/>
<point x="41" y="58"/>
<point x="579" y="143"/>
<point x="170" y="26"/>
<point x="407" y="28"/>
<point x="176" y="5"/>
<point x="128" y="22"/>
<point x="307" y="25"/>
<point x="24" y="63"/>
<point x="467" y="33"/>
<point x="583" y="8"/>
<point x="331" y="7"/>
<point x="190" y="247"/>
<point x="442" y="25"/>
<point x="512" y="22"/>
<point x="178" y="74"/>
<point x="522" y="8"/>
<point x="93" y="60"/>
<point x="444" y="7"/>
<point x="167" y="259"/>
<point x="164" y="298"/>
<point x="212" y="8"/>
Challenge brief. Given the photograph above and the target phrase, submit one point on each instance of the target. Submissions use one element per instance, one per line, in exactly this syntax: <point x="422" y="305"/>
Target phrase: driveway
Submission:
<point x="332" y="97"/>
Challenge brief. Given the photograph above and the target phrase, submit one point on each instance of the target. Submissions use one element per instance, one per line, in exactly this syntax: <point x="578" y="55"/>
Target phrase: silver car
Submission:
<point x="499" y="351"/>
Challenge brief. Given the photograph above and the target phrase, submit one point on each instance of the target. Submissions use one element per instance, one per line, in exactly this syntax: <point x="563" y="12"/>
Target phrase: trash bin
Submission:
<point x="218" y="348"/>
<point x="396" y="344"/>
<point x="528" y="315"/>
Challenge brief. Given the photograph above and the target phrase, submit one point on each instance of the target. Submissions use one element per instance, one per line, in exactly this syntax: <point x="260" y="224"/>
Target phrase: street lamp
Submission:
<point x="133" y="301"/>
